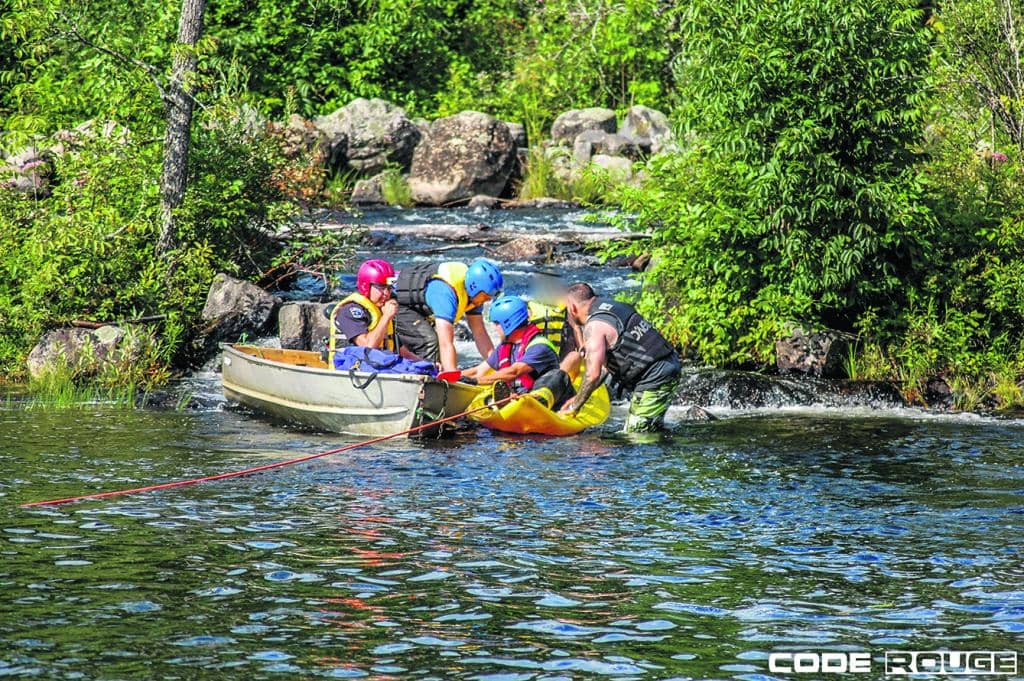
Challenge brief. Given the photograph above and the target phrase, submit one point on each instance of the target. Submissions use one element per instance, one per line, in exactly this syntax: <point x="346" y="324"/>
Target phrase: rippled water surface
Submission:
<point x="691" y="555"/>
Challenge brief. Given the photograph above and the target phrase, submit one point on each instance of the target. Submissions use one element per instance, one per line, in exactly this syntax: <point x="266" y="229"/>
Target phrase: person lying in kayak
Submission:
<point x="635" y="353"/>
<point x="525" y="359"/>
<point x="432" y="298"/>
<point x="366" y="318"/>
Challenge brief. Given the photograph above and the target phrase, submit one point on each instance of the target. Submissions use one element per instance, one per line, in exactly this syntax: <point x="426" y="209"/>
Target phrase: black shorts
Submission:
<point x="416" y="333"/>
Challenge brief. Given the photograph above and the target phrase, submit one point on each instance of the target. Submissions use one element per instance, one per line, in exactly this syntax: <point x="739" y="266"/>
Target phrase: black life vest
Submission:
<point x="639" y="345"/>
<point x="411" y="286"/>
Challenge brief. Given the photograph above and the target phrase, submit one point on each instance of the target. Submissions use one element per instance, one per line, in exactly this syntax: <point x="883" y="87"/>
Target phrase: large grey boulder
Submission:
<point x="463" y="155"/>
<point x="818" y="354"/>
<point x="369" y="134"/>
<point x="571" y="123"/>
<point x="303" y="326"/>
<point x="648" y="128"/>
<point x="235" y="307"/>
<point x="80" y="351"/>
<point x="30" y="172"/>
<point x="609" y="144"/>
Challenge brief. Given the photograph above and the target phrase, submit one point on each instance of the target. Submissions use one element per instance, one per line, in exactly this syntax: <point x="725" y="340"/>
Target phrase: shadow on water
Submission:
<point x="692" y="554"/>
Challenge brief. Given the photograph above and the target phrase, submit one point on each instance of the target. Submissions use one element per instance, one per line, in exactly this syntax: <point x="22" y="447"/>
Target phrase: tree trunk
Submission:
<point x="179" y="102"/>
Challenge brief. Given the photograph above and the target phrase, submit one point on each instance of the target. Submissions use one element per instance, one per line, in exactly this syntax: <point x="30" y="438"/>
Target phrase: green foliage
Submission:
<point x="797" y="199"/>
<point x="548" y="174"/>
<point x="395" y="188"/>
<point x="574" y="54"/>
<point x="87" y="252"/>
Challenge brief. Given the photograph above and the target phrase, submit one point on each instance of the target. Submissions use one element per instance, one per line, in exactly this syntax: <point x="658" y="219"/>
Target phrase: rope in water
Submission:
<point x="269" y="466"/>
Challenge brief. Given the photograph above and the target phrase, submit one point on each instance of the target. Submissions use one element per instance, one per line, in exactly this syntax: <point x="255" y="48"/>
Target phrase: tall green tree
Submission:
<point x="798" y="198"/>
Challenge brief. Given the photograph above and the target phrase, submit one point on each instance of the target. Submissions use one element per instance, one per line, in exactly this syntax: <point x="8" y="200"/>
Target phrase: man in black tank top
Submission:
<point x="617" y="338"/>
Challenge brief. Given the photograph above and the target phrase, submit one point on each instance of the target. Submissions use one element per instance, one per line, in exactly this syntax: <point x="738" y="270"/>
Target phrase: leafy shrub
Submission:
<point x="798" y="199"/>
<point x="87" y="252"/>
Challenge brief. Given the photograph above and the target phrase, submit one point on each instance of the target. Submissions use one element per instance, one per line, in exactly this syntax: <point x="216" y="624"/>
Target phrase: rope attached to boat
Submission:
<point x="269" y="466"/>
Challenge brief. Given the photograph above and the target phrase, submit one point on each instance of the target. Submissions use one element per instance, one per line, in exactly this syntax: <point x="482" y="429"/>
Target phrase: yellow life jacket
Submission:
<point x="550" y="319"/>
<point x="454" y="274"/>
<point x="389" y="343"/>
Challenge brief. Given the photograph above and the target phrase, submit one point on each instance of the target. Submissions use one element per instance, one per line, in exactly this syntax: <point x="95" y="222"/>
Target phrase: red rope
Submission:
<point x="265" y="467"/>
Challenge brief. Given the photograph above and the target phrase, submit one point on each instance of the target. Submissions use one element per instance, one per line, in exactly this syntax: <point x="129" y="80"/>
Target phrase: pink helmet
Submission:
<point x="374" y="272"/>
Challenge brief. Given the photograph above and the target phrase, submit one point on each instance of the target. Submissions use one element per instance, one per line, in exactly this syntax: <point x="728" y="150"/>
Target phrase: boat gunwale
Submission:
<point x="400" y="378"/>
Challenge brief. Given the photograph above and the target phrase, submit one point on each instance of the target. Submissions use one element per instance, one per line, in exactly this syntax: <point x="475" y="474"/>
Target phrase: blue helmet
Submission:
<point x="483" y="276"/>
<point x="509" y="312"/>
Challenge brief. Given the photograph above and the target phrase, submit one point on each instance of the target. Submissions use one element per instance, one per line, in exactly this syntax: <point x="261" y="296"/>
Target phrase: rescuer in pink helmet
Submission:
<point x="366" y="317"/>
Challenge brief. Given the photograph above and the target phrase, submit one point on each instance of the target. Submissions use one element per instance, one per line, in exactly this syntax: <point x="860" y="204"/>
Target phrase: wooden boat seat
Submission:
<point x="300" y="358"/>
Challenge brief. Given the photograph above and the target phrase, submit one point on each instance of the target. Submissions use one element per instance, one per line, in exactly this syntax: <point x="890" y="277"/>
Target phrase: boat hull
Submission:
<point x="299" y="387"/>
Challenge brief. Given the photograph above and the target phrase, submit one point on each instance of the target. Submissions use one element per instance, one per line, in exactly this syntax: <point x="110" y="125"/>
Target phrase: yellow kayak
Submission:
<point x="526" y="415"/>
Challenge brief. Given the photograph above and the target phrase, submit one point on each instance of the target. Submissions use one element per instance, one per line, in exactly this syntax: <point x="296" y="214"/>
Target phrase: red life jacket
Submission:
<point x="505" y="359"/>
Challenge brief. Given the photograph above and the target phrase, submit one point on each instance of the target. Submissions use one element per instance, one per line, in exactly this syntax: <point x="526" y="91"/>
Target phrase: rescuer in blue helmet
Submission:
<point x="525" y="359"/>
<point x="433" y="297"/>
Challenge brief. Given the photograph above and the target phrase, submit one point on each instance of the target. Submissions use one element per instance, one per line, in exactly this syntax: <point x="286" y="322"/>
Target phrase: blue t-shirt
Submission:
<point x="540" y="358"/>
<point x="443" y="302"/>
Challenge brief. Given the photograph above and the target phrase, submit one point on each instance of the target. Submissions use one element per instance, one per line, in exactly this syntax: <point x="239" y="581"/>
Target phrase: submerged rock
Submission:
<point x="303" y="326"/>
<point x="81" y="351"/>
<point x="524" y="248"/>
<point x="570" y="124"/>
<point x="815" y="354"/>
<point x="463" y="155"/>
<point x="483" y="201"/>
<point x="699" y="414"/>
<point x="235" y="307"/>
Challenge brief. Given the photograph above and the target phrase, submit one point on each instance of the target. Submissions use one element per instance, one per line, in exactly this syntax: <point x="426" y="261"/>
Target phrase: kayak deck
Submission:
<point x="526" y="415"/>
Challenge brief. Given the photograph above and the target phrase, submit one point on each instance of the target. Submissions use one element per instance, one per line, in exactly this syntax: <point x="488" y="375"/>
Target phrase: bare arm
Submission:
<point x="375" y="338"/>
<point x="483" y="341"/>
<point x="446" y="344"/>
<point x="595" y="345"/>
<point x="509" y="373"/>
<point x="477" y="371"/>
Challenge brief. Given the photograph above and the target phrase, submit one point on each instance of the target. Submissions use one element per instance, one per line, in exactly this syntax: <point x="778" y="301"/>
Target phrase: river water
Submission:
<point x="693" y="554"/>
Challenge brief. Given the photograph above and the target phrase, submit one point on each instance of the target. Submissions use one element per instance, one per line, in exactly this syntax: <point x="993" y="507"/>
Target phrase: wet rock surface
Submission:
<point x="707" y="387"/>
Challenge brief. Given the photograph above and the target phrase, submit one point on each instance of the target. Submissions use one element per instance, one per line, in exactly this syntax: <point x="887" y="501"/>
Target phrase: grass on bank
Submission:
<point x="59" y="389"/>
<point x="394" y="187"/>
<point x="544" y="177"/>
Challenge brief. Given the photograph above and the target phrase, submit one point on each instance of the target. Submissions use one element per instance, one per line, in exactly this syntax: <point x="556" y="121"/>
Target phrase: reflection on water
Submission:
<point x="692" y="555"/>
